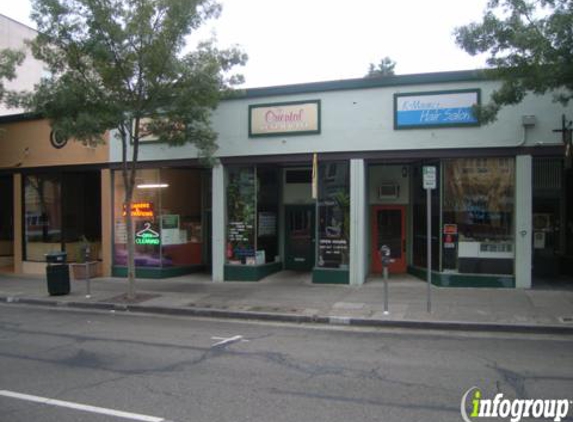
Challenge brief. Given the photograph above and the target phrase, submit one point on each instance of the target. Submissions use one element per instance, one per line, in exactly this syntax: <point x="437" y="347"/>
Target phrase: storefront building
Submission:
<point x="318" y="177"/>
<point x="54" y="196"/>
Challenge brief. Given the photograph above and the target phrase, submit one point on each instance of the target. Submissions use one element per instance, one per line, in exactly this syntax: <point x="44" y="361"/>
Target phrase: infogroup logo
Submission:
<point x="512" y="409"/>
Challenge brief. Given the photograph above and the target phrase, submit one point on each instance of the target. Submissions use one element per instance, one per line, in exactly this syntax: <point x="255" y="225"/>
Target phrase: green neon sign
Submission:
<point x="147" y="236"/>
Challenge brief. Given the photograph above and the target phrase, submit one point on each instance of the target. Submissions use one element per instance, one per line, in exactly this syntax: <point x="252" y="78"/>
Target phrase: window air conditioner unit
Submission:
<point x="388" y="190"/>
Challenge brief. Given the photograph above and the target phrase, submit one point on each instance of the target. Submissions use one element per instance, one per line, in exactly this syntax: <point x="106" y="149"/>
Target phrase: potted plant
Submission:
<point x="84" y="265"/>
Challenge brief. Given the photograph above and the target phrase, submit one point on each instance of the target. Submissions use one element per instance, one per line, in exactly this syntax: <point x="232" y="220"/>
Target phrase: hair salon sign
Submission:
<point x="435" y="109"/>
<point x="293" y="118"/>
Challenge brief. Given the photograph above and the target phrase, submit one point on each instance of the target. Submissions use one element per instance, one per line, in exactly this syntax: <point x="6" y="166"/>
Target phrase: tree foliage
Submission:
<point x="120" y="64"/>
<point x="384" y="68"/>
<point x="9" y="60"/>
<point x="530" y="48"/>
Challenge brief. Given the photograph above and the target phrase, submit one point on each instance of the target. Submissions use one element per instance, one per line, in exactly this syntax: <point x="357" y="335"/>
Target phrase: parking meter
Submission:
<point x="385" y="256"/>
<point x="386" y="261"/>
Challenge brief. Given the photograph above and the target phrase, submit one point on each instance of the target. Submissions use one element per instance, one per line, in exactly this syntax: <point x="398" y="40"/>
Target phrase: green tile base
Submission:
<point x="166" y="272"/>
<point x="330" y="276"/>
<point x="464" y="280"/>
<point x="251" y="272"/>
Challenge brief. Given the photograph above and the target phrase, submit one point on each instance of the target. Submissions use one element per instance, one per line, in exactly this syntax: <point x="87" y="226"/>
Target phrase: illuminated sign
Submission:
<point x="293" y="118"/>
<point x="147" y="236"/>
<point x="140" y="209"/>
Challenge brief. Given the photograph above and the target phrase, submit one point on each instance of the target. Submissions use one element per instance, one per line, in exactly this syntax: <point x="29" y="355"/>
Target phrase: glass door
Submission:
<point x="299" y="238"/>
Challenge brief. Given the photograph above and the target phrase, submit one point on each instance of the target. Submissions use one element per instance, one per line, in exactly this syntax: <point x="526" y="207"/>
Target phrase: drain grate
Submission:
<point x="566" y="319"/>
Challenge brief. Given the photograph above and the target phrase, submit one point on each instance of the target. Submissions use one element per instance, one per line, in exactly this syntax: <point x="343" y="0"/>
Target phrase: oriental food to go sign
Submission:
<point x="280" y="119"/>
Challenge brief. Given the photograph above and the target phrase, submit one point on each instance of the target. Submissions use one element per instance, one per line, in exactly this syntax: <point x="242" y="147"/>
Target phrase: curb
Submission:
<point x="459" y="326"/>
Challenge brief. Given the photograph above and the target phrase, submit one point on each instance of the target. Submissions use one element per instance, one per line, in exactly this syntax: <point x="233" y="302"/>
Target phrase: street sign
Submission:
<point x="429" y="173"/>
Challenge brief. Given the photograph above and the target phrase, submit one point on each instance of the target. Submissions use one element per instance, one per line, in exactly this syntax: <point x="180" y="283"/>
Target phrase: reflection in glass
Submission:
<point x="334" y="214"/>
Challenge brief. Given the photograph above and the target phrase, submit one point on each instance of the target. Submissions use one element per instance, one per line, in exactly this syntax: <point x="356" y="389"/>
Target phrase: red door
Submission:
<point x="389" y="228"/>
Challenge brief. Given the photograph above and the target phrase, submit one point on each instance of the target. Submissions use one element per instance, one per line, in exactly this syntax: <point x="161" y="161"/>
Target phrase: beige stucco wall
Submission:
<point x="27" y="144"/>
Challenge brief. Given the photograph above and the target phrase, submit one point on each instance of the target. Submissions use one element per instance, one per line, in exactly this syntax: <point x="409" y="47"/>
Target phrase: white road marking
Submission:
<point x="82" y="407"/>
<point x="228" y="340"/>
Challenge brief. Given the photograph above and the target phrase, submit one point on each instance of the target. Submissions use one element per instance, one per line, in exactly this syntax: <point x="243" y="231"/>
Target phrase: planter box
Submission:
<point x="80" y="270"/>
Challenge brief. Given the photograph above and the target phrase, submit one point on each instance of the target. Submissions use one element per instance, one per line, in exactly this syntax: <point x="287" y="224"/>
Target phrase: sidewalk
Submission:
<point x="290" y="296"/>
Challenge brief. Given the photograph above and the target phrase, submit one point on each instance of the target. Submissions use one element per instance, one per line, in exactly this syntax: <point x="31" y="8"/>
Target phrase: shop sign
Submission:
<point x="147" y="236"/>
<point x="450" y="238"/>
<point x="293" y="118"/>
<point x="435" y="109"/>
<point x="140" y="209"/>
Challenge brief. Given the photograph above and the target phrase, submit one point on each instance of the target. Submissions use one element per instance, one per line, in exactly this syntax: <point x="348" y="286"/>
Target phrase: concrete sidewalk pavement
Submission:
<point x="290" y="296"/>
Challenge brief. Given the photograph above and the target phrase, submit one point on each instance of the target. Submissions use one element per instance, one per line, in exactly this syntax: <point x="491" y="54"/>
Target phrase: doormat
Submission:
<point x="139" y="298"/>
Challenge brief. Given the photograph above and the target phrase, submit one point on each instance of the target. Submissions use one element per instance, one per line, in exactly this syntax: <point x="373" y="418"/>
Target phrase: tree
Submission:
<point x="9" y="60"/>
<point x="384" y="68"/>
<point x="530" y="47"/>
<point x="118" y="64"/>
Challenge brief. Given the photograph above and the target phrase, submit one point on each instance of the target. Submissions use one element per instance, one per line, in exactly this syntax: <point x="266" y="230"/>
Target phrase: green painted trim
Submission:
<point x="288" y="103"/>
<point x="330" y="276"/>
<point x="439" y="92"/>
<point x="157" y="273"/>
<point x="251" y="272"/>
<point x="360" y="83"/>
<point x="464" y="280"/>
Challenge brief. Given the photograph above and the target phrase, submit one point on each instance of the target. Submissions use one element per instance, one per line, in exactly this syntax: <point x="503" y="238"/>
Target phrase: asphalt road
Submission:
<point x="172" y="369"/>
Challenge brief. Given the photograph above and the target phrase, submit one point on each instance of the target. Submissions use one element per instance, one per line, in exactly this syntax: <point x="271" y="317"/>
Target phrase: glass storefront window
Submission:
<point x="334" y="214"/>
<point x="267" y="213"/>
<point x="167" y="218"/>
<point x="181" y="217"/>
<point x="478" y="207"/>
<point x="6" y="216"/>
<point x="420" y="240"/>
<point x="62" y="212"/>
<point x="241" y="208"/>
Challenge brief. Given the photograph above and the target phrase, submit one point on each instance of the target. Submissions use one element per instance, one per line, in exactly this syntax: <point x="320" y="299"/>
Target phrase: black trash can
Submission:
<point x="57" y="274"/>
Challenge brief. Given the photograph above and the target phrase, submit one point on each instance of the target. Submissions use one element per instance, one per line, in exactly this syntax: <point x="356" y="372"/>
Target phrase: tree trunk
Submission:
<point x="128" y="173"/>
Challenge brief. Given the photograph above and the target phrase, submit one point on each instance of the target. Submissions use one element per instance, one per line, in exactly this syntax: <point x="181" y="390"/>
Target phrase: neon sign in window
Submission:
<point x="140" y="209"/>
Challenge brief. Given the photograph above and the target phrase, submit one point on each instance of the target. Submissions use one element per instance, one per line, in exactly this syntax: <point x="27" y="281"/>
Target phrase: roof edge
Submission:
<point x="360" y="83"/>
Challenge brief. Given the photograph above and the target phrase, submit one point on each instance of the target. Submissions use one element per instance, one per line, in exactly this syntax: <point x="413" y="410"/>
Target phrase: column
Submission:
<point x="523" y="221"/>
<point x="358" y="252"/>
<point x="218" y="210"/>
<point x="18" y="232"/>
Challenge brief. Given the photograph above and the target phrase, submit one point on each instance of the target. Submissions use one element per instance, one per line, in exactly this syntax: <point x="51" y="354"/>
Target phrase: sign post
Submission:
<point x="429" y="183"/>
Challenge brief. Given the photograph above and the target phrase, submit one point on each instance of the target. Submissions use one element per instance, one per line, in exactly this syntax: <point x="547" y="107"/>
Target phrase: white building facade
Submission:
<point x="318" y="177"/>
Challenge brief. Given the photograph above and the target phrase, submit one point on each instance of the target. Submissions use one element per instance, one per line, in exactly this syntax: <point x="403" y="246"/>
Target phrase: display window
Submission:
<point x="252" y="215"/>
<point x="167" y="218"/>
<point x="62" y="212"/>
<point x="333" y="215"/>
<point x="478" y="208"/>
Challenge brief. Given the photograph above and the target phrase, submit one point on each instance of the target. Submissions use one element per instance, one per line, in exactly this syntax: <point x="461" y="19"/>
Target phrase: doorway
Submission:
<point x="389" y="228"/>
<point x="299" y="237"/>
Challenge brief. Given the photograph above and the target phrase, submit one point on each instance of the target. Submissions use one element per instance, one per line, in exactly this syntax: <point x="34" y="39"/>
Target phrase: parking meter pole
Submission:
<point x="386" y="290"/>
<point x="88" y="281"/>
<point x="429" y="247"/>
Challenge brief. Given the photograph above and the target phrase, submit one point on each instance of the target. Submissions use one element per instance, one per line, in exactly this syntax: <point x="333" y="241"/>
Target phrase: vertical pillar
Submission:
<point x="358" y="251"/>
<point x="523" y="221"/>
<point x="106" y="222"/>
<point x="18" y="233"/>
<point x="218" y="224"/>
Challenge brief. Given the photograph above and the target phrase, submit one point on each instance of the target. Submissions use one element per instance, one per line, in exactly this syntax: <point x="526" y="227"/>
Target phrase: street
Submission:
<point x="184" y="369"/>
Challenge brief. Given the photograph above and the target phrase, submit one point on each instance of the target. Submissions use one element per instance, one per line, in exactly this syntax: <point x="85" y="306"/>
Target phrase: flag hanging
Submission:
<point x="314" y="176"/>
